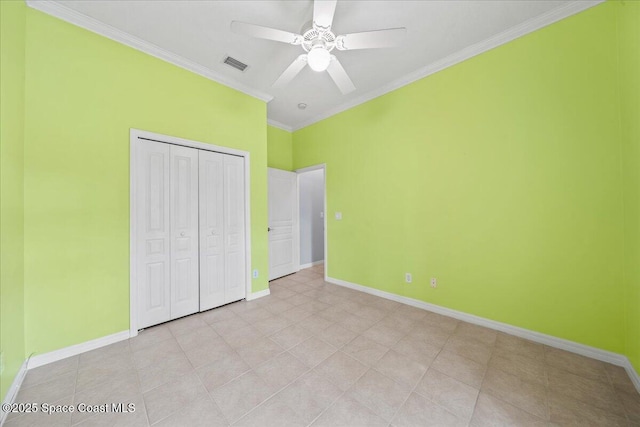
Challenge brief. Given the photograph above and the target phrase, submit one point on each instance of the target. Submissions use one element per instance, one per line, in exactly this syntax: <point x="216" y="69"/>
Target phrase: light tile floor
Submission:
<point x="317" y="354"/>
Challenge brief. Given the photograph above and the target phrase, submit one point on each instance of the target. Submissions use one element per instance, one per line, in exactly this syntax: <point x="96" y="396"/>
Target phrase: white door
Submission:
<point x="211" y="230"/>
<point x="222" y="222"/>
<point x="153" y="233"/>
<point x="234" y="238"/>
<point x="284" y="244"/>
<point x="185" y="293"/>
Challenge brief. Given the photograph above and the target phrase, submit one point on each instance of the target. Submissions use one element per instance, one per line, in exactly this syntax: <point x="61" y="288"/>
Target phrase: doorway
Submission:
<point x="312" y="214"/>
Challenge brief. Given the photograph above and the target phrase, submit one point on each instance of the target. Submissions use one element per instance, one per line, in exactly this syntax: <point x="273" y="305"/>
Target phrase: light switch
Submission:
<point x="338" y="215"/>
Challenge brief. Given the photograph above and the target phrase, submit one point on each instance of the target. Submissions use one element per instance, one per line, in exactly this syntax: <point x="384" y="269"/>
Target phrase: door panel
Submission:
<point x="212" y="274"/>
<point x="185" y="296"/>
<point x="283" y="223"/>
<point x="156" y="286"/>
<point x="153" y="233"/>
<point x="235" y="265"/>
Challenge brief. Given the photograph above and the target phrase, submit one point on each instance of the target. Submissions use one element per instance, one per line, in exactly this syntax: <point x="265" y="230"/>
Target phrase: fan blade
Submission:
<point x="265" y="32"/>
<point x="371" y="39"/>
<point x="323" y="11"/>
<point x="291" y="71"/>
<point x="340" y="77"/>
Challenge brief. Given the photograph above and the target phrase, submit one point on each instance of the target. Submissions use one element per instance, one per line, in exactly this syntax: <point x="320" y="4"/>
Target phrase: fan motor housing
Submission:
<point x="313" y="37"/>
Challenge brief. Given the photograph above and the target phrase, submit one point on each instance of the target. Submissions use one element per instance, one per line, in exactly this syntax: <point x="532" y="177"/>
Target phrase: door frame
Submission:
<point x="137" y="134"/>
<point x="323" y="167"/>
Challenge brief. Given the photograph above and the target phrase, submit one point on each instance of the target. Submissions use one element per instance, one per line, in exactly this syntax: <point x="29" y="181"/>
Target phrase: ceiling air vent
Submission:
<point x="232" y="62"/>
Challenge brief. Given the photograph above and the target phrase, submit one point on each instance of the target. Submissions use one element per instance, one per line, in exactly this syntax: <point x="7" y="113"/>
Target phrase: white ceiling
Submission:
<point x="439" y="33"/>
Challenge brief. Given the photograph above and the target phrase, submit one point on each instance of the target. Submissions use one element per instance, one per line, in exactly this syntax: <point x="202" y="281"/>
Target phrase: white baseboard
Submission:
<point x="53" y="356"/>
<point x="310" y="264"/>
<point x="12" y="393"/>
<point x="260" y="294"/>
<point x="633" y="374"/>
<point x="63" y="353"/>
<point x="551" y="341"/>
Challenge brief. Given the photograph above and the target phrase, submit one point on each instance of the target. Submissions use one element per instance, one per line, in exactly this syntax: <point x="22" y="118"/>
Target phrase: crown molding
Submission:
<point x="69" y="15"/>
<point x="277" y="124"/>
<point x="492" y="42"/>
<point x="76" y="18"/>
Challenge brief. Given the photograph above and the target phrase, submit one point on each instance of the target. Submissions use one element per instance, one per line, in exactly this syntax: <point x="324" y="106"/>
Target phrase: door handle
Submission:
<point x="182" y="234"/>
<point x="268" y="228"/>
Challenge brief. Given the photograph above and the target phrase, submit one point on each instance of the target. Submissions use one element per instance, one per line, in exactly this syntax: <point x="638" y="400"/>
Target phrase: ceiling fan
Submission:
<point x="318" y="42"/>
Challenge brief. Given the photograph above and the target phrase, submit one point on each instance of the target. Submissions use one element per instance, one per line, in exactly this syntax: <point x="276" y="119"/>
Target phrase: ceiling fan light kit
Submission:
<point x="319" y="41"/>
<point x="319" y="58"/>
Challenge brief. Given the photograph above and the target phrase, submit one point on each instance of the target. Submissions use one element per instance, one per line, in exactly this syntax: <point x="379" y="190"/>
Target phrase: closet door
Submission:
<point x="235" y="261"/>
<point x="184" y="231"/>
<point x="212" y="277"/>
<point x="152" y="238"/>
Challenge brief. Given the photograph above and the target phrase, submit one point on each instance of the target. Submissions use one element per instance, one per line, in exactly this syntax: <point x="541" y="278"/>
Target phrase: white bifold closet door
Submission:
<point x="190" y="243"/>
<point x="234" y="228"/>
<point x="167" y="210"/>
<point x="184" y="231"/>
<point x="222" y="238"/>
<point x="153" y="249"/>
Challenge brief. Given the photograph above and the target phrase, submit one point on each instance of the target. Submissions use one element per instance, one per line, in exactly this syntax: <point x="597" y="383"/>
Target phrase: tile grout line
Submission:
<point x="173" y="336"/>
<point x="75" y="388"/>
<point x="146" y="414"/>
<point x="484" y="376"/>
<point x="340" y="395"/>
<point x="388" y="350"/>
<point x="609" y="382"/>
<point x="246" y="372"/>
<point x="285" y="351"/>
<point x="395" y="414"/>
<point x="333" y="402"/>
<point x="546" y="382"/>
<point x="213" y="400"/>
<point x="617" y="393"/>
<point x="345" y="391"/>
<point x="165" y="383"/>
<point x="272" y="395"/>
<point x="313" y="369"/>
<point x="420" y="380"/>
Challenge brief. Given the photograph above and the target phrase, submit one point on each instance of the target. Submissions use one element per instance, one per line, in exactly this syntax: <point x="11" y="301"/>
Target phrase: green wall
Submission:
<point x="500" y="176"/>
<point x="83" y="94"/>
<point x="279" y="148"/>
<point x="12" y="66"/>
<point x="629" y="60"/>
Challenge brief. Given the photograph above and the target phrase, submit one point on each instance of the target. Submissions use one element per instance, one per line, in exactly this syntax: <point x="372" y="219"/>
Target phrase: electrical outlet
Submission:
<point x="434" y="282"/>
<point x="408" y="278"/>
<point x="255" y="274"/>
